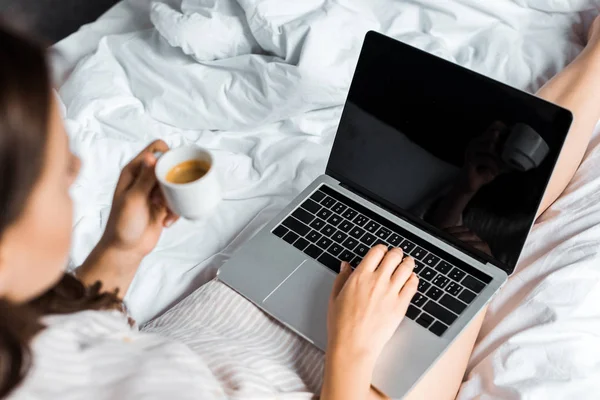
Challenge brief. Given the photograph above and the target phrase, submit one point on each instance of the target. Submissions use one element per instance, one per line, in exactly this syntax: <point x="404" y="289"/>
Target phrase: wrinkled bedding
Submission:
<point x="262" y="83"/>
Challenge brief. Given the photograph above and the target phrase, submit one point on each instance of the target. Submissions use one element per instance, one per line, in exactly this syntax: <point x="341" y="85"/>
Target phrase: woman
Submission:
<point x="60" y="339"/>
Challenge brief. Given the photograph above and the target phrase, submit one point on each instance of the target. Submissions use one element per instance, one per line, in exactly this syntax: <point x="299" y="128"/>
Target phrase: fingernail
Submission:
<point x="344" y="266"/>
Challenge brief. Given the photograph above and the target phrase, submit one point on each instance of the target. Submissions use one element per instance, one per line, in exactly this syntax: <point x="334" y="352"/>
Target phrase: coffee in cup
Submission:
<point x="188" y="171"/>
<point x="187" y="178"/>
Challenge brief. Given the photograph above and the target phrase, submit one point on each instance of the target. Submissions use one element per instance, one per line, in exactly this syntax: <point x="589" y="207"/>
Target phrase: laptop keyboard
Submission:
<point x="331" y="228"/>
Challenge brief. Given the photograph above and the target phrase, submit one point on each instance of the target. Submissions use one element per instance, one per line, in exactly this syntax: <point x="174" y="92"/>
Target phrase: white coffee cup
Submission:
<point x="192" y="200"/>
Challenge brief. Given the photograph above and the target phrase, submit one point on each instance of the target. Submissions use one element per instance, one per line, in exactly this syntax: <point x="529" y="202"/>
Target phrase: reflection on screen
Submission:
<point x="461" y="155"/>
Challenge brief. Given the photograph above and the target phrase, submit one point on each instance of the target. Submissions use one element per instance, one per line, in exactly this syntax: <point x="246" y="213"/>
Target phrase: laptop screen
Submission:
<point x="463" y="156"/>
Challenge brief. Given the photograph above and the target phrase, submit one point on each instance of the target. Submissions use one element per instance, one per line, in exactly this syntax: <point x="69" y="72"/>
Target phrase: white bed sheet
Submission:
<point x="271" y="121"/>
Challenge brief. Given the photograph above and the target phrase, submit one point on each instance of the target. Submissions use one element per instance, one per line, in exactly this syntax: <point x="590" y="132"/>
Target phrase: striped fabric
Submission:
<point x="212" y="345"/>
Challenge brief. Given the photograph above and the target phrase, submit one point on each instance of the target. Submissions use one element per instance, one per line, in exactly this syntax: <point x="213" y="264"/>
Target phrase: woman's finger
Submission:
<point x="170" y="219"/>
<point x="408" y="290"/>
<point x="402" y="273"/>
<point x="340" y="280"/>
<point x="133" y="168"/>
<point x="390" y="262"/>
<point x="372" y="259"/>
<point x="146" y="181"/>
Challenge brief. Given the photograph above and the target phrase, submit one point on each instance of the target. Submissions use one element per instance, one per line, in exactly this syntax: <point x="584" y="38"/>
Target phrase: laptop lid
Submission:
<point x="461" y="155"/>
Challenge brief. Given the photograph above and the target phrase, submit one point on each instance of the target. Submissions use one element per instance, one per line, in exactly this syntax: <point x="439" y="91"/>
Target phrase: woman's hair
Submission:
<point x="25" y="104"/>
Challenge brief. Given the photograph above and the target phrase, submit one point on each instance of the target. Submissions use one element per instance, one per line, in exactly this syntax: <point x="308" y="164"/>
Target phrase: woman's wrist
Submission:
<point x="348" y="373"/>
<point x="112" y="266"/>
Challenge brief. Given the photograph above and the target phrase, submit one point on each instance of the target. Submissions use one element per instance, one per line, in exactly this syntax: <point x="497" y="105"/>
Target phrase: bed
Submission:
<point x="262" y="83"/>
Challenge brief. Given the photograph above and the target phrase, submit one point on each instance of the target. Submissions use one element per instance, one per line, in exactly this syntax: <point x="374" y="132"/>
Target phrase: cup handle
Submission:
<point x="158" y="154"/>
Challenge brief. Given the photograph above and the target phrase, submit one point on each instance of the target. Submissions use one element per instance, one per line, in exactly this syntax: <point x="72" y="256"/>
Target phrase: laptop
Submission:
<point x="431" y="157"/>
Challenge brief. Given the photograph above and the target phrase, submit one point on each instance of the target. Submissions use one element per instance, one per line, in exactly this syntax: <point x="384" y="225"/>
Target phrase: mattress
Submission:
<point x="262" y="84"/>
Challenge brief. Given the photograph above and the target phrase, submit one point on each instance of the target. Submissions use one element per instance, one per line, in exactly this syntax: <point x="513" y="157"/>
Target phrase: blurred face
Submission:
<point x="34" y="250"/>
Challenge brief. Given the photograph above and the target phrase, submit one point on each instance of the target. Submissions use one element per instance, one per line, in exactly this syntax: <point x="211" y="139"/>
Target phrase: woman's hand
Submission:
<point x="365" y="309"/>
<point x="136" y="220"/>
<point x="139" y="212"/>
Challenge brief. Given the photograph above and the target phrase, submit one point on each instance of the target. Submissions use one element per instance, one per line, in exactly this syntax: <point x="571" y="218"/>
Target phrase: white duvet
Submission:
<point x="262" y="83"/>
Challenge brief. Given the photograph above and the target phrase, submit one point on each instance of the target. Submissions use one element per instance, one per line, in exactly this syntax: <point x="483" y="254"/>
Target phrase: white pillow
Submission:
<point x="206" y="34"/>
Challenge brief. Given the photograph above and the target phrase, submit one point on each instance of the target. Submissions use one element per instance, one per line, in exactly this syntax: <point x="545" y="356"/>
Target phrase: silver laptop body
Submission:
<point x="291" y="280"/>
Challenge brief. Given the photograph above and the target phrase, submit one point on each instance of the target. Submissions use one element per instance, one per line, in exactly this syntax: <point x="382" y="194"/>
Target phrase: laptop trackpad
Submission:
<point x="301" y="301"/>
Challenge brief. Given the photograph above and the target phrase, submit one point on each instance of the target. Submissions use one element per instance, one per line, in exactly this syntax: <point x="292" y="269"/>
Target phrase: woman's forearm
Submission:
<point x="114" y="268"/>
<point x="346" y="377"/>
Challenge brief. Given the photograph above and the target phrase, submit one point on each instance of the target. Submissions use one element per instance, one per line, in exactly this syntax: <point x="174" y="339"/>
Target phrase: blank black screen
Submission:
<point x="443" y="146"/>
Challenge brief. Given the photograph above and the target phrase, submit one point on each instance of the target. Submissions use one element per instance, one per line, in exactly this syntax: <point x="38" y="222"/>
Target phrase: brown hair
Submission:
<point x="25" y="101"/>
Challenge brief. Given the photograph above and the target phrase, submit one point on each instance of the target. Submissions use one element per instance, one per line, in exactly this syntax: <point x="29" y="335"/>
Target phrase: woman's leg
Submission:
<point x="576" y="88"/>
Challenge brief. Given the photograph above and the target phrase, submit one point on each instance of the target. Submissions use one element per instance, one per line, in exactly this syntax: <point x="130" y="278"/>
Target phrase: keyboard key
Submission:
<point x="318" y="196"/>
<point x="294" y="225"/>
<point x="291" y="237"/>
<point x="427" y="274"/>
<point x="372" y="226"/>
<point x="346" y="255"/>
<point x="355" y="261"/>
<point x="339" y="237"/>
<point x="324" y="213"/>
<point x="412" y="312"/>
<point x="317" y="224"/>
<point x="301" y="244"/>
<point x="418" y="267"/>
<point x="335" y="249"/>
<point x="328" y="230"/>
<point x="328" y="202"/>
<point x="438" y="328"/>
<point x="324" y="242"/>
<point x="356" y="233"/>
<point x="311" y="206"/>
<point x="454" y="288"/>
<point x="313" y="251"/>
<point x="346" y="226"/>
<point x="339" y="208"/>
<point x="350" y="243"/>
<point x="418" y="299"/>
<point x="335" y="220"/>
<point x="423" y="285"/>
<point x="440" y="312"/>
<point x="467" y="296"/>
<point x="280" y="231"/>
<point x="407" y="246"/>
<point x="314" y="236"/>
<point x="330" y="262"/>
<point x="361" y="250"/>
<point x="383" y="233"/>
<point x="368" y="239"/>
<point x="471" y="283"/>
<point x="425" y="320"/>
<point x="303" y="215"/>
<point x="431" y="260"/>
<point x="456" y="274"/>
<point x="443" y="267"/>
<point x="418" y="253"/>
<point x="441" y="281"/>
<point x="349" y="214"/>
<point x="395" y="239"/>
<point x="435" y="293"/>
<point x="360" y="220"/>
<point x="452" y="304"/>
